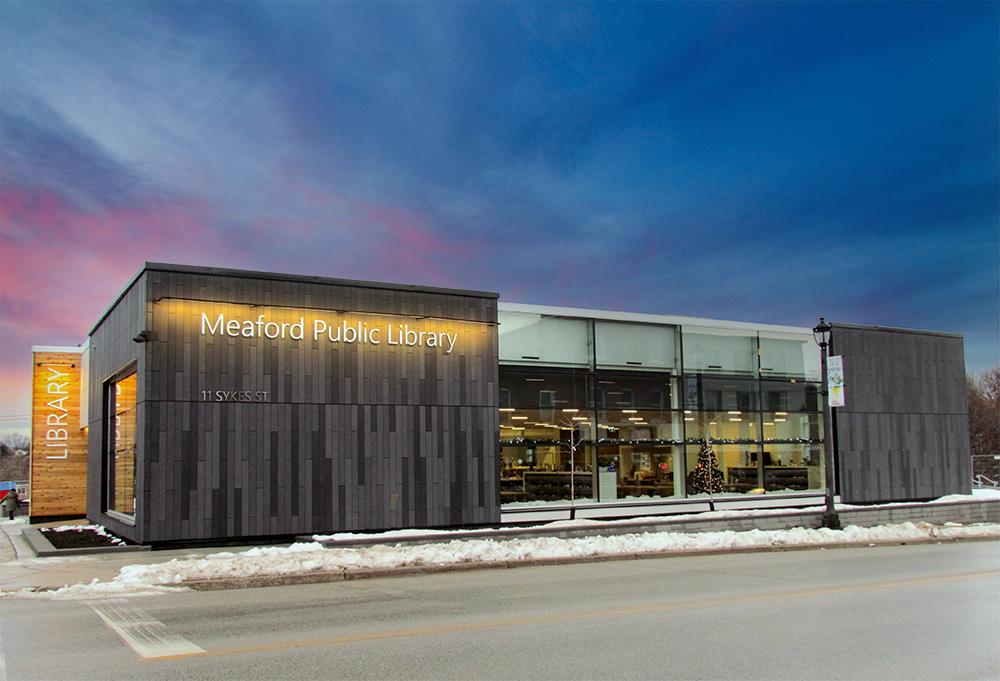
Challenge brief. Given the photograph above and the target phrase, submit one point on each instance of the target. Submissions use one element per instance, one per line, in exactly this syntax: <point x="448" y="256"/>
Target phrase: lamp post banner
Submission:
<point x="835" y="380"/>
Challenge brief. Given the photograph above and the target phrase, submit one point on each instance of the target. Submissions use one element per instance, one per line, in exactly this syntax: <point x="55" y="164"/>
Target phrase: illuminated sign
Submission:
<point x="56" y="425"/>
<point x="344" y="331"/>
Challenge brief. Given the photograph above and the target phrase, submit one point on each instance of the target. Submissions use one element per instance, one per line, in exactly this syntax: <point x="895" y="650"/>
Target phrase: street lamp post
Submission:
<point x="821" y="332"/>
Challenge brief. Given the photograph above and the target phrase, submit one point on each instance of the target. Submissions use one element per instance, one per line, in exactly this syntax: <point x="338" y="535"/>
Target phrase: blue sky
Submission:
<point x="750" y="161"/>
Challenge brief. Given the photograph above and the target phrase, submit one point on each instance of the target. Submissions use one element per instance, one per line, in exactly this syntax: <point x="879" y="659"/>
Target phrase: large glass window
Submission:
<point x="793" y="467"/>
<point x="738" y="463"/>
<point x="625" y="345"/>
<point x="714" y="393"/>
<point x="712" y="350"/>
<point x="546" y="435"/>
<point x="534" y="338"/>
<point x="121" y="452"/>
<point x="787" y="355"/>
<point x="607" y="417"/>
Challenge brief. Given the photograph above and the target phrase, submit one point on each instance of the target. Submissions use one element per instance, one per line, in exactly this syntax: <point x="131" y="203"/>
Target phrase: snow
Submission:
<point x="306" y="557"/>
<point x="96" y="529"/>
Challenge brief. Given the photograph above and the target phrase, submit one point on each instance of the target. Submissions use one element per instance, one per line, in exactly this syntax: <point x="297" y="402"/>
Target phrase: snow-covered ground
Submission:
<point x="977" y="495"/>
<point x="135" y="580"/>
<point x="306" y="557"/>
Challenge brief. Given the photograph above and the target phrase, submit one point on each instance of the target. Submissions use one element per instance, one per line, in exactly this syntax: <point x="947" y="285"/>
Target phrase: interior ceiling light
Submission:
<point x="687" y="411"/>
<point x="580" y="418"/>
<point x="768" y="423"/>
<point x="689" y="418"/>
<point x="734" y="413"/>
<point x="780" y="420"/>
<point x="507" y="409"/>
<point x="570" y="411"/>
<point x="628" y="411"/>
<point x="635" y="418"/>
<point x="518" y="418"/>
<point x="735" y="419"/>
<point x="781" y="413"/>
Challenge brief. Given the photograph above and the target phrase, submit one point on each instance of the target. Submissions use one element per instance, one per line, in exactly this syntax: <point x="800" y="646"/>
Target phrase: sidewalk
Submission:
<point x="405" y="552"/>
<point x="20" y="569"/>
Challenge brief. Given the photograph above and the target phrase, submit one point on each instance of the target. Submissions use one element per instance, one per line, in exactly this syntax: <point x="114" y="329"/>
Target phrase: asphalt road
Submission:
<point x="906" y="612"/>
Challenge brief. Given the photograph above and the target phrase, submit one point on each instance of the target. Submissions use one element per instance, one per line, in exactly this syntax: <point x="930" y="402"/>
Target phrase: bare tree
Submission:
<point x="983" y="393"/>
<point x="16" y="441"/>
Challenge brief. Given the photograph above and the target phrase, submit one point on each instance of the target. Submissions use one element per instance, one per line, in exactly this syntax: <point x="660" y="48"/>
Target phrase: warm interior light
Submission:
<point x="780" y="420"/>
<point x="734" y="413"/>
<point x="689" y="418"/>
<point x="735" y="419"/>
<point x="781" y="413"/>
<point x="570" y="411"/>
<point x="687" y="411"/>
<point x="507" y="409"/>
<point x="580" y="418"/>
<point x="518" y="418"/>
<point x="768" y="423"/>
<point x="628" y="411"/>
<point x="635" y="418"/>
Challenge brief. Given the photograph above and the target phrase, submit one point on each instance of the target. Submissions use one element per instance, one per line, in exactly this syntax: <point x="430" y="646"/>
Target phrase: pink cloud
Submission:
<point x="60" y="265"/>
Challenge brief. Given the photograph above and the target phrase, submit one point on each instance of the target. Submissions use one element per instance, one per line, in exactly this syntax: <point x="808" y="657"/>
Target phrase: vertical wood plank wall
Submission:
<point x="904" y="434"/>
<point x="111" y="350"/>
<point x="58" y="474"/>
<point x="350" y="437"/>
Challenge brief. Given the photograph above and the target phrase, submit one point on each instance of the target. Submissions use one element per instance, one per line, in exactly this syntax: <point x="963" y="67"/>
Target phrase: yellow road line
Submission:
<point x="570" y="616"/>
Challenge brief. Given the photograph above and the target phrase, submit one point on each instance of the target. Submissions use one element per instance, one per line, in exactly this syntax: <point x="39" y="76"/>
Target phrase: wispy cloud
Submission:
<point x="753" y="161"/>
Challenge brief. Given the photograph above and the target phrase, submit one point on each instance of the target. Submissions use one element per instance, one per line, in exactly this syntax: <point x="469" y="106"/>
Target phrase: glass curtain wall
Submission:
<point x="595" y="410"/>
<point x="640" y="435"/>
<point x="546" y="438"/>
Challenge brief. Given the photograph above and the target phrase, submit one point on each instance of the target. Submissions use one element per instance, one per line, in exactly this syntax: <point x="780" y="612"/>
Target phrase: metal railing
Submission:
<point x="981" y="480"/>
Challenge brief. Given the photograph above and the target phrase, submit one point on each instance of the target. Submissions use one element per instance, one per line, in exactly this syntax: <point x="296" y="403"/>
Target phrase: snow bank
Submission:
<point x="312" y="556"/>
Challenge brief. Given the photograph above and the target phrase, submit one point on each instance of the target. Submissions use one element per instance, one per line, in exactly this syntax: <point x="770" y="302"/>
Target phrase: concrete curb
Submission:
<point x="988" y="510"/>
<point x="43" y="548"/>
<point x="346" y="574"/>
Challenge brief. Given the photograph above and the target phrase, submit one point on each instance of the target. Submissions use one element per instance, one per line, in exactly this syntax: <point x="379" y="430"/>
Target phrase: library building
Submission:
<point x="215" y="404"/>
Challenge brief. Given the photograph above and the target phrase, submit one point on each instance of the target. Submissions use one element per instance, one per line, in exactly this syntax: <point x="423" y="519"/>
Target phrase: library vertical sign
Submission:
<point x="58" y="443"/>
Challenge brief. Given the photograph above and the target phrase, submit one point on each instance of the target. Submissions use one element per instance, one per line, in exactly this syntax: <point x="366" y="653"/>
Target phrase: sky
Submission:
<point x="746" y="161"/>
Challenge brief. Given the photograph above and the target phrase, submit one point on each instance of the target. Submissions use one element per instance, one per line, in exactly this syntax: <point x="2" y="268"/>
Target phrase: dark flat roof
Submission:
<point x="895" y="329"/>
<point x="251" y="274"/>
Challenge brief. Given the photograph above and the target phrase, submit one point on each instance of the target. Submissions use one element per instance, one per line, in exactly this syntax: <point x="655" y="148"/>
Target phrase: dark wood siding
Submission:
<point x="350" y="437"/>
<point x="111" y="350"/>
<point x="904" y="434"/>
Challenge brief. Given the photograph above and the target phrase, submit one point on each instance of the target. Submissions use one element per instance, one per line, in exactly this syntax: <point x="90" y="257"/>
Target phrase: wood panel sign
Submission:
<point x="58" y="443"/>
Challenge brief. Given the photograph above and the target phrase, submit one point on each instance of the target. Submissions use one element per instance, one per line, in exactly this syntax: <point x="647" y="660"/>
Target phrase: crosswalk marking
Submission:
<point x="148" y="637"/>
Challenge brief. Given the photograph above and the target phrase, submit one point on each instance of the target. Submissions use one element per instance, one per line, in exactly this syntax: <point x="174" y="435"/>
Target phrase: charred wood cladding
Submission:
<point x="276" y="405"/>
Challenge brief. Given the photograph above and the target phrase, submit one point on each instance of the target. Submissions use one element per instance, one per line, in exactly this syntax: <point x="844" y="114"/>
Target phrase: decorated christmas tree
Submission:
<point x="706" y="477"/>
